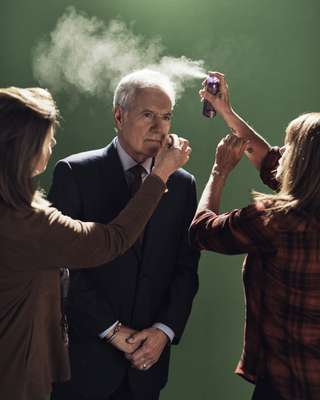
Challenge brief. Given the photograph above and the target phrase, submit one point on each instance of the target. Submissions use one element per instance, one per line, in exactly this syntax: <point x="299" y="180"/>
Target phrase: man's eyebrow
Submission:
<point x="155" y="112"/>
<point x="169" y="113"/>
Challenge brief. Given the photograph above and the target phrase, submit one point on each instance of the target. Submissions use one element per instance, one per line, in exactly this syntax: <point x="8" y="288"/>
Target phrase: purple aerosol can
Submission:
<point x="212" y="86"/>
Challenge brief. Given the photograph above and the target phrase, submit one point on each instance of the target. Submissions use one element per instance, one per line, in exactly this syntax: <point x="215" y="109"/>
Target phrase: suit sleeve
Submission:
<point x="268" y="168"/>
<point x="90" y="313"/>
<point x="185" y="280"/>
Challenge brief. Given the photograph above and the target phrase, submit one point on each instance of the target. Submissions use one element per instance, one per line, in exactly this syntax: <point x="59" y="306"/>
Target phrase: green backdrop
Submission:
<point x="269" y="51"/>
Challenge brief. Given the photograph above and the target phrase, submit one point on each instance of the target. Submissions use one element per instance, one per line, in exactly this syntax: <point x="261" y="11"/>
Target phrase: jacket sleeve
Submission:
<point x="184" y="286"/>
<point x="235" y="232"/>
<point x="269" y="168"/>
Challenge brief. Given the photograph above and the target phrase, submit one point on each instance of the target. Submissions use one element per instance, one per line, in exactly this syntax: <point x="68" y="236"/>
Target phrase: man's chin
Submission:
<point x="152" y="149"/>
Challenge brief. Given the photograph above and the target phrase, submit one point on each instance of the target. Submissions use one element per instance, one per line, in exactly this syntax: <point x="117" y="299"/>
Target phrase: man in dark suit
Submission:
<point x="128" y="314"/>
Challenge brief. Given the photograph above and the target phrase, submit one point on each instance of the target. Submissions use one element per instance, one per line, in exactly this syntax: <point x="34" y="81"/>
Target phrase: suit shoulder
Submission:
<point x="182" y="182"/>
<point x="86" y="157"/>
<point x="181" y="175"/>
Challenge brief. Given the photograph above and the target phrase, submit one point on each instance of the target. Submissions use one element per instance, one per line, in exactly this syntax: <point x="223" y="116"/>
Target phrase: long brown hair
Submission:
<point x="26" y="116"/>
<point x="300" y="176"/>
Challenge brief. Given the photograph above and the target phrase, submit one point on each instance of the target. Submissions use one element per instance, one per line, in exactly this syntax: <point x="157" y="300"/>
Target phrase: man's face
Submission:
<point x="144" y="124"/>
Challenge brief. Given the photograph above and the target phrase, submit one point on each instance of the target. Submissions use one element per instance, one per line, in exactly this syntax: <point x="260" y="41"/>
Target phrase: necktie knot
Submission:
<point x="137" y="170"/>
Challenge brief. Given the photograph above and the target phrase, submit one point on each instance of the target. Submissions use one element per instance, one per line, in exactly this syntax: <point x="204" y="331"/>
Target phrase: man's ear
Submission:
<point x="118" y="115"/>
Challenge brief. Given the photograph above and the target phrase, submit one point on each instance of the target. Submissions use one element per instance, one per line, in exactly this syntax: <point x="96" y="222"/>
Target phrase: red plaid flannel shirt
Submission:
<point x="281" y="276"/>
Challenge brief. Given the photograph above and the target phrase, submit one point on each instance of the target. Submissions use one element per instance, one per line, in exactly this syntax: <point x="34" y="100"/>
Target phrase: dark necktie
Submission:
<point x="134" y="184"/>
<point x="135" y="178"/>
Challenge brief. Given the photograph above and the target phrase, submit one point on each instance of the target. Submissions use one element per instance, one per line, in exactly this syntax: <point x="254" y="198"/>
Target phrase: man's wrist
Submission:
<point x="112" y="335"/>
<point x="162" y="333"/>
<point x="106" y="332"/>
<point x="165" y="329"/>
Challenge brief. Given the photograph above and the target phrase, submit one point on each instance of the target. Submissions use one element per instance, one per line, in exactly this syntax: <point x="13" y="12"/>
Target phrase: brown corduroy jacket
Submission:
<point x="34" y="244"/>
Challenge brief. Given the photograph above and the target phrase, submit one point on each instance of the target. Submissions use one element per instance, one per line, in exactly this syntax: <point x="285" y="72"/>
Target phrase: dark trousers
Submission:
<point x="264" y="391"/>
<point x="124" y="392"/>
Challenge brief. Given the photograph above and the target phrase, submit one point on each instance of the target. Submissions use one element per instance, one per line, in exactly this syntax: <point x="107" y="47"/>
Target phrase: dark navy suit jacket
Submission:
<point x="156" y="283"/>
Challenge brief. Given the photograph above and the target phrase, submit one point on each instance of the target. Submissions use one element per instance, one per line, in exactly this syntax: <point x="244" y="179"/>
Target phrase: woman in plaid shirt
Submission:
<point x="280" y="232"/>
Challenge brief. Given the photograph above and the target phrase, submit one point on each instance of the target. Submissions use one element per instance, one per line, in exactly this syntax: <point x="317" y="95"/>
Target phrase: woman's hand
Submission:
<point x="220" y="101"/>
<point x="228" y="153"/>
<point x="174" y="153"/>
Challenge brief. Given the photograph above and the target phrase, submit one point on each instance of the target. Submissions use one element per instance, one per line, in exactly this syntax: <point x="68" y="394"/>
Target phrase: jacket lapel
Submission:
<point x="117" y="192"/>
<point x="116" y="189"/>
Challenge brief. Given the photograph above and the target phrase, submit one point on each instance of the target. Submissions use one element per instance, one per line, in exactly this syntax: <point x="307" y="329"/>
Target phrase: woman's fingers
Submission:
<point x="234" y="142"/>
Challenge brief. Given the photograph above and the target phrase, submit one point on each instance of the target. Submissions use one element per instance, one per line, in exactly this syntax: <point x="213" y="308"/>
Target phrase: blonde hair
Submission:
<point x="26" y="115"/>
<point x="300" y="175"/>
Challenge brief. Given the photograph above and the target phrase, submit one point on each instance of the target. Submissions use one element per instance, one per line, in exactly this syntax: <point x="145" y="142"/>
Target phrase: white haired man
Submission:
<point x="123" y="318"/>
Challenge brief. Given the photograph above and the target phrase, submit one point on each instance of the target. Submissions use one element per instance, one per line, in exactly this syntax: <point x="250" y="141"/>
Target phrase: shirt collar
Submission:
<point x="128" y="162"/>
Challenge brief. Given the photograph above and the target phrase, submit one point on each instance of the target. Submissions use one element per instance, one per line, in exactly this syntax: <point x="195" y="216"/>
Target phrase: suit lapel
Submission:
<point x="117" y="192"/>
<point x="116" y="189"/>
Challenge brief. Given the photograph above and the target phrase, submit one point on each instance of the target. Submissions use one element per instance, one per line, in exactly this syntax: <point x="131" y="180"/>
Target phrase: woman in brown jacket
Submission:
<point x="36" y="239"/>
